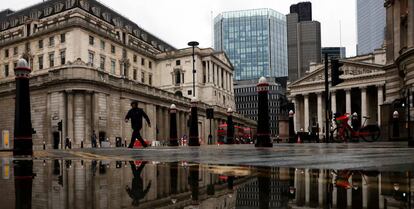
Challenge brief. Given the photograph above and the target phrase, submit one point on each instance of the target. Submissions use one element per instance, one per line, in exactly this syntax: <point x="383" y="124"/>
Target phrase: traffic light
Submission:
<point x="60" y="126"/>
<point x="336" y="72"/>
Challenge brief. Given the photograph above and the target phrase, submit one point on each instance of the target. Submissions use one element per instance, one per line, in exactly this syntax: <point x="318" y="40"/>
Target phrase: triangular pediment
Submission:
<point x="224" y="58"/>
<point x="352" y="70"/>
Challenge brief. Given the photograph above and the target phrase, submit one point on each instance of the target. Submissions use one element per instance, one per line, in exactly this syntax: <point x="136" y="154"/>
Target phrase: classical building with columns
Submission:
<point x="362" y="91"/>
<point x="399" y="43"/>
<point x="89" y="63"/>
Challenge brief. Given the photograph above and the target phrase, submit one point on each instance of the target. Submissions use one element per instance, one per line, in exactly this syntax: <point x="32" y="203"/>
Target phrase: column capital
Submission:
<point x="363" y="88"/>
<point x="306" y="95"/>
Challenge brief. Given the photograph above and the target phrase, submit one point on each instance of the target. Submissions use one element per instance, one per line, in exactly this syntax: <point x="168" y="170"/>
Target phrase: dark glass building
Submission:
<point x="254" y="40"/>
<point x="247" y="102"/>
<point x="334" y="52"/>
<point x="303" y="9"/>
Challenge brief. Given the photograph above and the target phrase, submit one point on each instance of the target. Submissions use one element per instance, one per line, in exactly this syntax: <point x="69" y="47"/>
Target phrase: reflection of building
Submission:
<point x="362" y="91"/>
<point x="370" y="25"/>
<point x="247" y="103"/>
<point x="304" y="41"/>
<point x="248" y="195"/>
<point x="88" y="63"/>
<point x="86" y="184"/>
<point x="254" y="40"/>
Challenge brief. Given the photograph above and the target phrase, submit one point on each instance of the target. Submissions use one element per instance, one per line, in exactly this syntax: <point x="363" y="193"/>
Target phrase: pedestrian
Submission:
<point x="67" y="142"/>
<point x="136" y="114"/>
<point x="93" y="138"/>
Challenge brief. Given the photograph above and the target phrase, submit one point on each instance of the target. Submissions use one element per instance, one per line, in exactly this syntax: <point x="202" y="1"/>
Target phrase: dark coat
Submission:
<point x="136" y="114"/>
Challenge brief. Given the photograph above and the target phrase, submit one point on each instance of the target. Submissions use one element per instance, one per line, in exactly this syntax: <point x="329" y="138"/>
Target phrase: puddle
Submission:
<point x="65" y="184"/>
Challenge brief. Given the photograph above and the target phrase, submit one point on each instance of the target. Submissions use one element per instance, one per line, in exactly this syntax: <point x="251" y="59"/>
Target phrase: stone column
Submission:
<point x="166" y="121"/>
<point x="348" y="101"/>
<point x="320" y="113"/>
<point x="69" y="112"/>
<point x="380" y="102"/>
<point x="159" y="123"/>
<point x="88" y="118"/>
<point x="410" y="35"/>
<point x="79" y="119"/>
<point x="306" y="112"/>
<point x="333" y="101"/>
<point x="151" y="112"/>
<point x="364" y="110"/>
<point x="95" y="112"/>
<point x="295" y="116"/>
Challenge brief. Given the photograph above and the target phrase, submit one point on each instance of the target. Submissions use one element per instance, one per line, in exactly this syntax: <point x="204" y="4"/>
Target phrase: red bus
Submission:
<point x="242" y="135"/>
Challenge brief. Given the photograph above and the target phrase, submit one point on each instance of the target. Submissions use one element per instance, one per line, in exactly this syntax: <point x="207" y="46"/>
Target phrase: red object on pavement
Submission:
<point x="137" y="144"/>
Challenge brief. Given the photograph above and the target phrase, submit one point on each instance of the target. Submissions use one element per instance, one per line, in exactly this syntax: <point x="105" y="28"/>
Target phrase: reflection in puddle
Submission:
<point x="68" y="184"/>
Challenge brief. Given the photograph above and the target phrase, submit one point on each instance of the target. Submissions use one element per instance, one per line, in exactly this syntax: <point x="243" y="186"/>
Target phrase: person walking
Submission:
<point x="93" y="138"/>
<point x="136" y="114"/>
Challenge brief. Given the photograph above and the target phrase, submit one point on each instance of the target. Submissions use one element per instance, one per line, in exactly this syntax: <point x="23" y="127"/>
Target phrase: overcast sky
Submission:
<point x="180" y="21"/>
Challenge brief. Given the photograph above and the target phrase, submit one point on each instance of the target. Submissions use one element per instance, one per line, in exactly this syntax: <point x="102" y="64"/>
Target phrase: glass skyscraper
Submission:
<point x="255" y="41"/>
<point x="370" y="25"/>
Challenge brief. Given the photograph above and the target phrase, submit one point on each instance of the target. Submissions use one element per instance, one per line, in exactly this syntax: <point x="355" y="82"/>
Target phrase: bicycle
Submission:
<point x="343" y="132"/>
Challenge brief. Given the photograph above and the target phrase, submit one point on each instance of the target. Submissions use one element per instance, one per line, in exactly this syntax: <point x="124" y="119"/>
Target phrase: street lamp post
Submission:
<point x="193" y="44"/>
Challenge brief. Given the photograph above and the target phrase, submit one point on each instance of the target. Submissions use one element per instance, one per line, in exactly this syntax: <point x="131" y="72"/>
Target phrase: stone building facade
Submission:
<point x="214" y="77"/>
<point x="362" y="92"/>
<point x="88" y="63"/>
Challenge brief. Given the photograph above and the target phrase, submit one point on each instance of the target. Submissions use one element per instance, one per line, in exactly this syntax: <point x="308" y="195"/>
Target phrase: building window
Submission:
<point x="113" y="66"/>
<point x="91" y="40"/>
<point x="27" y="46"/>
<point x="142" y="61"/>
<point x="6" y="70"/>
<point x="112" y="49"/>
<point x="6" y="53"/>
<point x="51" y="59"/>
<point x="150" y="65"/>
<point x="135" y="74"/>
<point x="52" y="41"/>
<point x="135" y="58"/>
<point x="14" y="65"/>
<point x="102" y="45"/>
<point x="16" y="50"/>
<point x="142" y="77"/>
<point x="63" y="38"/>
<point x="178" y="62"/>
<point x="91" y="57"/>
<point x="63" y="57"/>
<point x="150" y="80"/>
<point x="177" y="77"/>
<point x="102" y="63"/>
<point x="40" y="62"/>
<point x="40" y="44"/>
<point x="189" y="92"/>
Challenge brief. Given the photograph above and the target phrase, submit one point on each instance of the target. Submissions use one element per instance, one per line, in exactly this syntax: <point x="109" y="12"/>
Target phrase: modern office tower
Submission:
<point x="303" y="9"/>
<point x="246" y="100"/>
<point x="370" y="25"/>
<point x="304" y="43"/>
<point x="254" y="40"/>
<point x="334" y="52"/>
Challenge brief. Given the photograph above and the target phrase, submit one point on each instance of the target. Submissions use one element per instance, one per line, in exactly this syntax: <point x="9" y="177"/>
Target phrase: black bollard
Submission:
<point x="23" y="141"/>
<point x="44" y="145"/>
<point x="23" y="180"/>
<point x="193" y="136"/>
<point x="264" y="182"/>
<point x="230" y="127"/>
<point x="193" y="182"/>
<point x="82" y="144"/>
<point x="173" y="126"/>
<point x="292" y="134"/>
<point x="395" y="125"/>
<point x="263" y="126"/>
